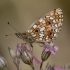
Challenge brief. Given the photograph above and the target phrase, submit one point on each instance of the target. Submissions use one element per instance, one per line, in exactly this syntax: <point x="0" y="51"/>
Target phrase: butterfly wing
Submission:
<point x="46" y="29"/>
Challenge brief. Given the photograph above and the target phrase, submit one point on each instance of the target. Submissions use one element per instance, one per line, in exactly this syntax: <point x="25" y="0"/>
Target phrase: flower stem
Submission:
<point x="32" y="67"/>
<point x="41" y="65"/>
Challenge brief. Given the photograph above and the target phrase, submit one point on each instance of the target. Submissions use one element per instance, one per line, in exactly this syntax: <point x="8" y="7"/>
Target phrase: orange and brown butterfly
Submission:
<point x="46" y="29"/>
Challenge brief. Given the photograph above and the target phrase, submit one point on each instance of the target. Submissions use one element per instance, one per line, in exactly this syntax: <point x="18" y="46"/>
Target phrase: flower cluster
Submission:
<point x="24" y="52"/>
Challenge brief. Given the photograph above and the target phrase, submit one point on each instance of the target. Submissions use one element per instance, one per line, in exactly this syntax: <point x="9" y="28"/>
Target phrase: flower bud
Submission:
<point x="50" y="67"/>
<point x="12" y="53"/>
<point x="45" y="55"/>
<point x="26" y="56"/>
<point x="3" y="64"/>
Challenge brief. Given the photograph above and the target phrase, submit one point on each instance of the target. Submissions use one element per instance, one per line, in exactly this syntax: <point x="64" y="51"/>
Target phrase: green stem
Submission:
<point x="32" y="67"/>
<point x="41" y="65"/>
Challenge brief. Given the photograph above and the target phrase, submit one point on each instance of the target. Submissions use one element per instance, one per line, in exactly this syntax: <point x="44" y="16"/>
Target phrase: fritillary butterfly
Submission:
<point x="45" y="29"/>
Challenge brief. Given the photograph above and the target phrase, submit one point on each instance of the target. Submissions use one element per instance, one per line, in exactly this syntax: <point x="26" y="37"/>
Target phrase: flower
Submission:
<point x="45" y="55"/>
<point x="50" y="67"/>
<point x="25" y="53"/>
<point x="3" y="64"/>
<point x="27" y="47"/>
<point x="26" y="56"/>
<point x="49" y="49"/>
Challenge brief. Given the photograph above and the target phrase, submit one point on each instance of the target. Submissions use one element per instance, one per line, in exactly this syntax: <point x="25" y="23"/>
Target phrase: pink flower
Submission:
<point x="50" y="47"/>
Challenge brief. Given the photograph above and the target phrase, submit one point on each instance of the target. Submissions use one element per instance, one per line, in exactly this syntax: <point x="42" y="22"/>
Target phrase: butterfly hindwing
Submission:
<point x="47" y="27"/>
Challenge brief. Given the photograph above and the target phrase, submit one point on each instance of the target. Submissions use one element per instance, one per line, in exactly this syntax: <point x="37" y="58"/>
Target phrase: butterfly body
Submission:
<point x="25" y="36"/>
<point x="45" y="29"/>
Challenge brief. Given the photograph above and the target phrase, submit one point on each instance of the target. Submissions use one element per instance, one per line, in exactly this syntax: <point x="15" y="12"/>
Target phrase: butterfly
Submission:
<point x="45" y="29"/>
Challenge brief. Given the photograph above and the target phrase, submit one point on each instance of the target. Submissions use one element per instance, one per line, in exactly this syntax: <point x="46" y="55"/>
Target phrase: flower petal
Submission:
<point x="19" y="47"/>
<point x="46" y="50"/>
<point x="27" y="46"/>
<point x="18" y="50"/>
<point x="52" y="52"/>
<point x="46" y="45"/>
<point x="51" y="43"/>
<point x="55" y="48"/>
<point x="36" y="60"/>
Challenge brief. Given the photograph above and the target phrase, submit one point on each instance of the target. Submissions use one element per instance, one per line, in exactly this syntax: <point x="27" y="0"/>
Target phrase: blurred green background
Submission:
<point x="21" y="14"/>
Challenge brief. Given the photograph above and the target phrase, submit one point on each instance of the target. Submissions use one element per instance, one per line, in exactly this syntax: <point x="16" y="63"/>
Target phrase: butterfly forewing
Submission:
<point x="46" y="29"/>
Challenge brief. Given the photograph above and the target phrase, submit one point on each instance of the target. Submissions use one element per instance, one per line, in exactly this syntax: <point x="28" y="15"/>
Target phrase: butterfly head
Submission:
<point x="19" y="35"/>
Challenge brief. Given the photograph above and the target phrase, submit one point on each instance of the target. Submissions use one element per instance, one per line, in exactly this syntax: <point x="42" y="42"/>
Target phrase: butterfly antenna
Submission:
<point x="12" y="27"/>
<point x="9" y="34"/>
